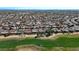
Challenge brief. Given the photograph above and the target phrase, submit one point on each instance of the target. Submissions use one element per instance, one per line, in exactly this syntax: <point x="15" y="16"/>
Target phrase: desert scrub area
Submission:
<point x="64" y="42"/>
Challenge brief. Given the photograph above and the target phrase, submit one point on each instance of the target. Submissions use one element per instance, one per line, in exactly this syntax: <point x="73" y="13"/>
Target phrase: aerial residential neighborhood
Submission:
<point x="32" y="22"/>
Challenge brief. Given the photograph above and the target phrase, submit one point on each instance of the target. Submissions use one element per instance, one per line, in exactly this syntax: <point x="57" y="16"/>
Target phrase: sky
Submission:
<point x="39" y="4"/>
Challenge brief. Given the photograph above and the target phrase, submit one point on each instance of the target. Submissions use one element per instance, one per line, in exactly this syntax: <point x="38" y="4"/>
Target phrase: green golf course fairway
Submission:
<point x="64" y="42"/>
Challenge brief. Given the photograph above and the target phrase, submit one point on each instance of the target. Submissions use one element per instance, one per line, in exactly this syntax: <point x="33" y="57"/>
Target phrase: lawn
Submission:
<point x="62" y="41"/>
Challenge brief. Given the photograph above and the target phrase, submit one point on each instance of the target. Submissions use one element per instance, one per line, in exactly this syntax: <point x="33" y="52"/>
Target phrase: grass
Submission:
<point x="62" y="41"/>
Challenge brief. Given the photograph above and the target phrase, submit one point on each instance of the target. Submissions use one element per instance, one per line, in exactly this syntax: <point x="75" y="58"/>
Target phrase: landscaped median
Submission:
<point x="64" y="42"/>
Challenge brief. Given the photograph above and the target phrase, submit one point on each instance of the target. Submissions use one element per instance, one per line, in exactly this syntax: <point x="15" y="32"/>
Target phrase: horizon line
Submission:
<point x="36" y="8"/>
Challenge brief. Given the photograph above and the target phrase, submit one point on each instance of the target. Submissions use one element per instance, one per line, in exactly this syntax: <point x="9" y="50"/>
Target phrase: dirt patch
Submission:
<point x="52" y="37"/>
<point x="29" y="48"/>
<point x="16" y="37"/>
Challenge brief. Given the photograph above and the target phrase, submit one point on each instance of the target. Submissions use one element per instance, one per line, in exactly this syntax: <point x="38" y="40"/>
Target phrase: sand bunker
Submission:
<point x="28" y="48"/>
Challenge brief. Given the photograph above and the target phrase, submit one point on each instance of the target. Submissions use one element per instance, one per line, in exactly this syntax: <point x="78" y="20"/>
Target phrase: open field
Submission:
<point x="64" y="42"/>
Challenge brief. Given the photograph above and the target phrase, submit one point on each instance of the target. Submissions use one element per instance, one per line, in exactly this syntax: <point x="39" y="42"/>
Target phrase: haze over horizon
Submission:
<point x="39" y="4"/>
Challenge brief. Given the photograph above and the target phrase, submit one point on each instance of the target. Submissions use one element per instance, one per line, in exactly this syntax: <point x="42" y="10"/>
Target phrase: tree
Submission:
<point x="49" y="31"/>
